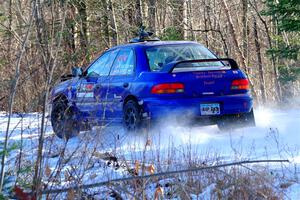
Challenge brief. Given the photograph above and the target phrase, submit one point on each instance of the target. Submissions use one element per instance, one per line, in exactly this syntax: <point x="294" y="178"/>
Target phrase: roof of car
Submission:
<point x="153" y="43"/>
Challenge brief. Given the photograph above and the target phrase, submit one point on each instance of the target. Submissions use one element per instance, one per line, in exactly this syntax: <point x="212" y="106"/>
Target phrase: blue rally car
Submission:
<point x="150" y="80"/>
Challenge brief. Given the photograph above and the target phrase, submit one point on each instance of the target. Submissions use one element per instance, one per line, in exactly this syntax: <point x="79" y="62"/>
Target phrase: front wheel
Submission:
<point x="231" y="122"/>
<point x="63" y="120"/>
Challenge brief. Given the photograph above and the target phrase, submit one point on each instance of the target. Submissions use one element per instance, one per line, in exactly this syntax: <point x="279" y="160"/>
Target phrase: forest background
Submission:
<point x="42" y="39"/>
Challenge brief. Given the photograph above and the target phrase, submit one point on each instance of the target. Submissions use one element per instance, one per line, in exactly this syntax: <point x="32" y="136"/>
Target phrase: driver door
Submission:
<point x="90" y="91"/>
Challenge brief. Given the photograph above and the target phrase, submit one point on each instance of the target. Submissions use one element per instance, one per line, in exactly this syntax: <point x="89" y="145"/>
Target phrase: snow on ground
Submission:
<point x="276" y="136"/>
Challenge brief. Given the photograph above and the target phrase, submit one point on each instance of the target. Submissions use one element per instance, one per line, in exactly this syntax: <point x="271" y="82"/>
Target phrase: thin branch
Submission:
<point x="12" y="98"/>
<point x="158" y="174"/>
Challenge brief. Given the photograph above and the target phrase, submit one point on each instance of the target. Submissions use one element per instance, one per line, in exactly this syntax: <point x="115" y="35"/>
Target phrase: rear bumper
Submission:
<point x="230" y="104"/>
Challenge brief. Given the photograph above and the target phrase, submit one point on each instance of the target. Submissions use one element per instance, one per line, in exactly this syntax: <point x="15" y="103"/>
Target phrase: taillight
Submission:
<point x="240" y="84"/>
<point x="167" y="88"/>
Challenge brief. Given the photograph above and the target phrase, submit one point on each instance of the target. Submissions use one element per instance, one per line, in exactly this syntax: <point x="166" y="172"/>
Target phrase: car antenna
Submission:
<point x="144" y="36"/>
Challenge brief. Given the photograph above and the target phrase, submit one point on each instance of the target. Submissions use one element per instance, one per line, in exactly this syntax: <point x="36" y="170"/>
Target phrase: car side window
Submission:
<point x="124" y="63"/>
<point x="102" y="65"/>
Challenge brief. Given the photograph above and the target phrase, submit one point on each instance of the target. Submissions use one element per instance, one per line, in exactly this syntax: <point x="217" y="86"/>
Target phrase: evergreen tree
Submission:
<point x="286" y="17"/>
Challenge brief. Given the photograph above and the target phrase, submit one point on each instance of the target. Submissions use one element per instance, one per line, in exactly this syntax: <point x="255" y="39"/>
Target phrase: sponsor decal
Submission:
<point x="85" y="94"/>
<point x="86" y="87"/>
<point x="210" y="74"/>
<point x="209" y="82"/>
<point x="89" y="87"/>
<point x="117" y="97"/>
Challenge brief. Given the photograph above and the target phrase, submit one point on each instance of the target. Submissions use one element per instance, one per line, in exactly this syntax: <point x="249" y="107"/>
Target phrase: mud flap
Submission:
<point x="230" y="122"/>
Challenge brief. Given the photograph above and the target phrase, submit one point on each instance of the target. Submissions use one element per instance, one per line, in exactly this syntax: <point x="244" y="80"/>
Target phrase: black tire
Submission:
<point x="63" y="120"/>
<point x="132" y="118"/>
<point x="231" y="122"/>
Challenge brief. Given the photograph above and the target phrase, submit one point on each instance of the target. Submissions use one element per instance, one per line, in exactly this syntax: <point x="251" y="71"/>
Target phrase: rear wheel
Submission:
<point x="231" y="122"/>
<point x="63" y="120"/>
<point x="132" y="117"/>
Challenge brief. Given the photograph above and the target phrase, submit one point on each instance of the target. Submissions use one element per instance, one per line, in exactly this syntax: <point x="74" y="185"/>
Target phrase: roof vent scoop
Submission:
<point x="144" y="36"/>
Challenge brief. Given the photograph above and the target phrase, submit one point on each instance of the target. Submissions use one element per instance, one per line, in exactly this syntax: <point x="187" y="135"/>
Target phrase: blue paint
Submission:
<point x="124" y="71"/>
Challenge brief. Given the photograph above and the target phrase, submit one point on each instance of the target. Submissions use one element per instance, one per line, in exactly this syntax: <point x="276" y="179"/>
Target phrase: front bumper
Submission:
<point x="229" y="104"/>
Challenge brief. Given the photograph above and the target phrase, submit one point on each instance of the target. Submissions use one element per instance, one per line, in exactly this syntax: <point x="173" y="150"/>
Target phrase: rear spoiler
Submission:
<point x="170" y="66"/>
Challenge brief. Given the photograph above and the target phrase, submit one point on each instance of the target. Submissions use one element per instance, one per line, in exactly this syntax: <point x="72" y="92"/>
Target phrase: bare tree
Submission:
<point x="273" y="60"/>
<point x="245" y="28"/>
<point x="50" y="65"/>
<point x="12" y="98"/>
<point x="138" y="13"/>
<point x="82" y="12"/>
<point x="236" y="44"/>
<point x="152" y="15"/>
<point x="114" y="30"/>
<point x="105" y="22"/>
<point x="178" y="10"/>
<point x="259" y="60"/>
<point x="234" y="35"/>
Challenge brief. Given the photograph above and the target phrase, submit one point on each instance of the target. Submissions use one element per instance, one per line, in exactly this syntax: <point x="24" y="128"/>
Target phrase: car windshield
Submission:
<point x="159" y="56"/>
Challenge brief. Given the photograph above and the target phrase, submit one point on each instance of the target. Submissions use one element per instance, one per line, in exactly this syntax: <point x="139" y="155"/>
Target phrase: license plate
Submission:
<point x="210" y="109"/>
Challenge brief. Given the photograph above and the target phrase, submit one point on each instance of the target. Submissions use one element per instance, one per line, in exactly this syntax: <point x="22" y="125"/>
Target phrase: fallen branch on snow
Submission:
<point x="54" y="191"/>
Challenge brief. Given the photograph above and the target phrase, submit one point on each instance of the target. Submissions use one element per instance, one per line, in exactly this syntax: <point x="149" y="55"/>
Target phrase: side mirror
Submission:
<point x="76" y="71"/>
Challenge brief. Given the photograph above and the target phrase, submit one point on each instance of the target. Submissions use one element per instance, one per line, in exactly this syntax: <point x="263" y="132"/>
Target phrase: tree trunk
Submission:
<point x="83" y="36"/>
<point x="178" y="16"/>
<point x="234" y="35"/>
<point x="49" y="67"/>
<point x="190" y="19"/>
<point x="245" y="28"/>
<point x="105" y="22"/>
<point x="259" y="60"/>
<point x="114" y="30"/>
<point x="13" y="89"/>
<point x="205" y="23"/>
<point x="12" y="94"/>
<point x="138" y="13"/>
<point x="10" y="31"/>
<point x="70" y="36"/>
<point x="273" y="60"/>
<point x="152" y="15"/>
<point x="130" y="14"/>
<point x="144" y="10"/>
<point x="236" y="44"/>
